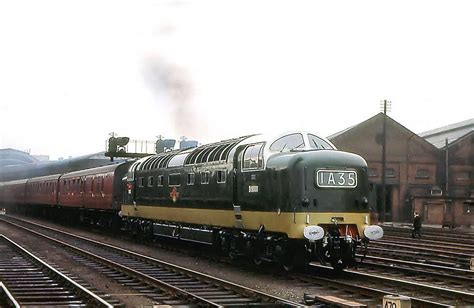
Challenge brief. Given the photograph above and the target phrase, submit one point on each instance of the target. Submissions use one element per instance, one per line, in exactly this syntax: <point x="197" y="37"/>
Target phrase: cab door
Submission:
<point x="248" y="176"/>
<point x="237" y="186"/>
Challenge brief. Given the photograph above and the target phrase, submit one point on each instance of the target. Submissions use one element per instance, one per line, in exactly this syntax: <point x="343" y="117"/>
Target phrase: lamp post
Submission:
<point x="386" y="104"/>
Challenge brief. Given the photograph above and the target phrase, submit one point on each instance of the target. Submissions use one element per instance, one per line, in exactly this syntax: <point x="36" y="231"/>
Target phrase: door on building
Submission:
<point x="388" y="202"/>
<point x="448" y="217"/>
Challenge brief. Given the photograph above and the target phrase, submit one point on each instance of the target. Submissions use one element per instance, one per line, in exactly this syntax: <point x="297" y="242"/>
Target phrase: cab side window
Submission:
<point x="253" y="157"/>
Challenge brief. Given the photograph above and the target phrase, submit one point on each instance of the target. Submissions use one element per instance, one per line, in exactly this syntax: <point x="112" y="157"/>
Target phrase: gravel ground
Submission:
<point x="262" y="281"/>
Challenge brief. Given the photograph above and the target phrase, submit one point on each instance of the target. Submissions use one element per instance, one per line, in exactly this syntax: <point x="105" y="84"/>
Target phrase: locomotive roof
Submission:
<point x="213" y="152"/>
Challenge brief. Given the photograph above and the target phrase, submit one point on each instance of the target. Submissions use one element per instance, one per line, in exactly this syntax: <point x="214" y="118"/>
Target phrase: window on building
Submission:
<point x="463" y="175"/>
<point x="141" y="182"/>
<point x="372" y="172"/>
<point x="389" y="173"/>
<point x="205" y="175"/>
<point x="174" y="179"/>
<point x="287" y="143"/>
<point x="190" y="179"/>
<point x="422" y="174"/>
<point x="150" y="181"/>
<point x="221" y="175"/>
<point x="436" y="191"/>
<point x="160" y="180"/>
<point x="468" y="208"/>
<point x="253" y="157"/>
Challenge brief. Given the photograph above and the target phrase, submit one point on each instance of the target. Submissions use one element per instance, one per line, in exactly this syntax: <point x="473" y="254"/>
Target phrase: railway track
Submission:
<point x="446" y="249"/>
<point x="463" y="236"/>
<point x="433" y="255"/>
<point x="452" y="277"/>
<point x="361" y="286"/>
<point x="29" y="281"/>
<point x="165" y="283"/>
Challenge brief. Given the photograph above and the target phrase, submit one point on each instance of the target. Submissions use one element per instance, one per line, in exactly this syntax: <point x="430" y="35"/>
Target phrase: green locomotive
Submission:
<point x="292" y="198"/>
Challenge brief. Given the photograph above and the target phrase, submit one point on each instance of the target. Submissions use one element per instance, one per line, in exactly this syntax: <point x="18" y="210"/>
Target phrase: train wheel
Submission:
<point x="257" y="260"/>
<point x="288" y="267"/>
<point x="232" y="255"/>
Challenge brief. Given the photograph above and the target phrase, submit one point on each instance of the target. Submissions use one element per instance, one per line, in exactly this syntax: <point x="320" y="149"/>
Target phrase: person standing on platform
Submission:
<point x="416" y="226"/>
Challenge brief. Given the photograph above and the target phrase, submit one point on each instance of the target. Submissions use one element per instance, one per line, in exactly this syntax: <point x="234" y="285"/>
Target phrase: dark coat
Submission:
<point x="417" y="222"/>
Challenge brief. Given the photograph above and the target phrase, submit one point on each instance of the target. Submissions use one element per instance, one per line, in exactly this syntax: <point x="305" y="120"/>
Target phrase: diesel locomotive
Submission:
<point x="293" y="198"/>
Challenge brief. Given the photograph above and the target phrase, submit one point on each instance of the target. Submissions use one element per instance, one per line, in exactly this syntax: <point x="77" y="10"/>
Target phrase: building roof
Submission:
<point x="452" y="132"/>
<point x="12" y="157"/>
<point x="379" y="117"/>
<point x="19" y="171"/>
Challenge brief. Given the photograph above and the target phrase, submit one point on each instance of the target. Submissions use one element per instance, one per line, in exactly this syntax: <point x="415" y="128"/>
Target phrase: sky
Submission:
<point x="71" y="72"/>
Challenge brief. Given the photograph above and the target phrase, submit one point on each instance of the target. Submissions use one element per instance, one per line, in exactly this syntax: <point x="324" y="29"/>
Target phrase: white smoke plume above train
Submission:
<point x="173" y="88"/>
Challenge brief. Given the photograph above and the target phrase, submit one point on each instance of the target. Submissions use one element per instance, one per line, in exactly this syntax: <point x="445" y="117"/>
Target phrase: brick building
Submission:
<point x="455" y="143"/>
<point x="415" y="172"/>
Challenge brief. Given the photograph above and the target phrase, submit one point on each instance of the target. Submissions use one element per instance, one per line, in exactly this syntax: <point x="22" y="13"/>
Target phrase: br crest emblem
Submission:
<point x="174" y="194"/>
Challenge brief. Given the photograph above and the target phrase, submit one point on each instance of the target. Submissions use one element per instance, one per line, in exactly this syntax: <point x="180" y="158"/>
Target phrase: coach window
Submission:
<point x="205" y="175"/>
<point x="253" y="157"/>
<point x="150" y="181"/>
<point x="221" y="176"/>
<point x="287" y="143"/>
<point x="190" y="179"/>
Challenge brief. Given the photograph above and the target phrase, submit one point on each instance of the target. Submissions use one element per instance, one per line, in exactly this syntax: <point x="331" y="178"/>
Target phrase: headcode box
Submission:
<point x="396" y="301"/>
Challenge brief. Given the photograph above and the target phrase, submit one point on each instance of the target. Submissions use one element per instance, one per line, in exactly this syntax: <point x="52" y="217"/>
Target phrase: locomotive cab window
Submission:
<point x="253" y="157"/>
<point x="318" y="143"/>
<point x="287" y="143"/>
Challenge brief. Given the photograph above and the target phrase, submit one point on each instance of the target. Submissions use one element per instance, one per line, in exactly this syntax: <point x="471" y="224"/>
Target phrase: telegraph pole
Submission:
<point x="386" y="104"/>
